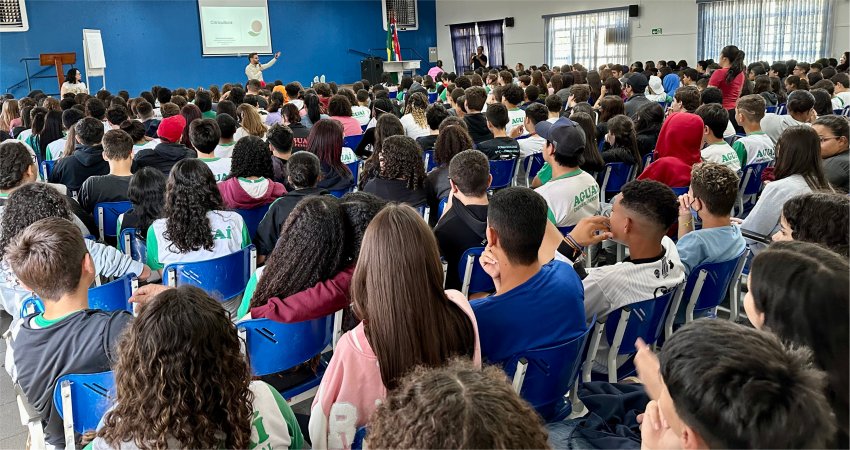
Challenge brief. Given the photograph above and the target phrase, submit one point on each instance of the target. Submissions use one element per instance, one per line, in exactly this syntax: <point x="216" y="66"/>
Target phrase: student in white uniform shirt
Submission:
<point x="842" y="90"/>
<point x="530" y="141"/>
<point x="227" y="126"/>
<point x="512" y="96"/>
<point x="361" y="110"/>
<point x="136" y="130"/>
<point x="716" y="149"/>
<point x="756" y="147"/>
<point x="204" y="134"/>
<point x="571" y="194"/>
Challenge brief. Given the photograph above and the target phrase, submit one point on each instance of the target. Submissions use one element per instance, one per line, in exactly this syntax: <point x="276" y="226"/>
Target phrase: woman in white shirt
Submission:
<point x="252" y="124"/>
<point x="73" y="83"/>
<point x="413" y="120"/>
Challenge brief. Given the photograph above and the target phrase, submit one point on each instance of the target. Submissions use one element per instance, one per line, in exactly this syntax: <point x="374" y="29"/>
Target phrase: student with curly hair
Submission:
<point x="407" y="320"/>
<point x="325" y="141"/>
<point x="402" y="175"/>
<point x="478" y="409"/>
<point x="249" y="184"/>
<point x="414" y="121"/>
<point x="818" y="217"/>
<point x="181" y="359"/>
<point x="194" y="226"/>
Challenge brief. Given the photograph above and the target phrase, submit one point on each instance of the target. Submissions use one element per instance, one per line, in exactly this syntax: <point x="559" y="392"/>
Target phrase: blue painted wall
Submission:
<point x="148" y="42"/>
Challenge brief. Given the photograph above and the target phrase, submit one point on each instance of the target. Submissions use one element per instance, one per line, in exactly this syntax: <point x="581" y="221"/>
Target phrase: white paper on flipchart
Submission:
<point x="94" y="49"/>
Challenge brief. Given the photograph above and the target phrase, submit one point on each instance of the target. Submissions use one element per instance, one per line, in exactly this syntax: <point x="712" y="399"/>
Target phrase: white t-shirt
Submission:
<point x="412" y="129"/>
<point x="74" y="88"/>
<point x="516" y="117"/>
<point x="298" y="103"/>
<point x="721" y="153"/>
<point x="224" y="150"/>
<point x="254" y="188"/>
<point x="25" y="134"/>
<point x="773" y="124"/>
<point x="841" y="100"/>
<point x="149" y="144"/>
<point x="758" y="146"/>
<point x="220" y="167"/>
<point x="242" y="132"/>
<point x="571" y="197"/>
<point x="229" y="236"/>
<point x="362" y="114"/>
<point x="347" y="156"/>
<point x="55" y="149"/>
<point x="531" y="145"/>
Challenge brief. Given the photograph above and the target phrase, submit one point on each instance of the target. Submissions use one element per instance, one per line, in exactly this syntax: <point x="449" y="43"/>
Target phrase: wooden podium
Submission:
<point x="58" y="60"/>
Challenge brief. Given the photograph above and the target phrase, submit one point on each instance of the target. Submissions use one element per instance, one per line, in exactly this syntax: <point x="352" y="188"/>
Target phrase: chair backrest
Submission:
<point x="680" y="190"/>
<point x="647" y="158"/>
<point x="107" y="214"/>
<point x="428" y="160"/>
<point x="751" y="178"/>
<point x="88" y="397"/>
<point x="355" y="167"/>
<point x="442" y="206"/>
<point x="532" y="164"/>
<point x="432" y="97"/>
<point x="502" y="172"/>
<point x="731" y="139"/>
<point x="392" y="94"/>
<point x="47" y="168"/>
<point x="644" y="319"/>
<point x="474" y="278"/>
<point x="224" y="278"/>
<point x="132" y="246"/>
<point x="352" y="141"/>
<point x="252" y="217"/>
<point x="708" y="284"/>
<point x="359" y="437"/>
<point x="838" y="111"/>
<point x="273" y="347"/>
<point x="846" y="111"/>
<point x="115" y="295"/>
<point x="770" y="109"/>
<point x="781" y="109"/>
<point x="616" y="174"/>
<point x="424" y="211"/>
<point x="550" y="373"/>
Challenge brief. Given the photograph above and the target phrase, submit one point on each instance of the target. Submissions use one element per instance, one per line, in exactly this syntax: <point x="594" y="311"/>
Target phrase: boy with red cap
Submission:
<point x="169" y="151"/>
<point x="678" y="148"/>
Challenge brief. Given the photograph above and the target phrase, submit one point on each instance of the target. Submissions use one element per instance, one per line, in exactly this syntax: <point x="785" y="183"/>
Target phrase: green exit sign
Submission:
<point x="656" y="31"/>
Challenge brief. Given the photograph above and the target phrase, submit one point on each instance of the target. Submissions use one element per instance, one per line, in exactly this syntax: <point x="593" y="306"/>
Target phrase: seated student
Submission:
<point x="722" y="385"/>
<point x="469" y="402"/>
<point x="555" y="107"/>
<point x="798" y="170"/>
<point x="434" y="115"/>
<point x="678" y="149"/>
<point x="621" y="142"/>
<point x="712" y="194"/>
<point x="115" y="115"/>
<point x="756" y="147"/>
<point x="250" y="122"/>
<point x="387" y="125"/>
<point x="819" y="217"/>
<point x="169" y="151"/>
<point x="593" y="162"/>
<point x="648" y="121"/>
<point x="402" y="175"/>
<point x="56" y="149"/>
<point x="325" y="141"/>
<point x="194" y="226"/>
<point x="634" y="89"/>
<point x="227" y="127"/>
<point x="249" y="184"/>
<point x="339" y="109"/>
<point x="796" y="290"/>
<point x="205" y="135"/>
<point x="686" y="99"/>
<point x="501" y="147"/>
<point x="280" y="139"/>
<point x="474" y="100"/>
<point x="87" y="159"/>
<point x="452" y="140"/>
<point x="571" y="194"/>
<point x="292" y="119"/>
<point x="512" y="96"/>
<point x="304" y="170"/>
<point x="464" y="219"/>
<point x="842" y="89"/>
<point x="531" y="143"/>
<point x="147" y="195"/>
<point x="641" y="214"/>
<point x="361" y="110"/>
<point x="414" y="121"/>
<point x="716" y="149"/>
<point x="146" y="115"/>
<point x="801" y="111"/>
<point x="50" y="257"/>
<point x="834" y="132"/>
<point x="137" y="133"/>
<point x="152" y="354"/>
<point x="371" y="359"/>
<point x="118" y="153"/>
<point x="546" y="297"/>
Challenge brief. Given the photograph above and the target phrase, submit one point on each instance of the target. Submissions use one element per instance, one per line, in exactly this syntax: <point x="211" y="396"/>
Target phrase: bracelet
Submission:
<point x="575" y="245"/>
<point x="686" y="224"/>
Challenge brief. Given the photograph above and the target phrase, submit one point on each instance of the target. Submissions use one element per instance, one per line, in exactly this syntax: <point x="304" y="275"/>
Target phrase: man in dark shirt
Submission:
<point x="478" y="59"/>
<point x="474" y="99"/>
<point x="501" y="146"/>
<point x="86" y="161"/>
<point x="118" y="153"/>
<point x="635" y="88"/>
<point x="464" y="220"/>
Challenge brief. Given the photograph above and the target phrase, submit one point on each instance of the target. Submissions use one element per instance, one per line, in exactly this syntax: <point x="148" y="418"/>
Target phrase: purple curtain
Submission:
<point x="491" y="34"/>
<point x="463" y="45"/>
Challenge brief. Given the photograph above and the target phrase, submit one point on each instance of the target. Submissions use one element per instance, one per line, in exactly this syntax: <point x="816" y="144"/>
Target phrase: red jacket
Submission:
<point x="323" y="299"/>
<point x="678" y="148"/>
<point x="235" y="197"/>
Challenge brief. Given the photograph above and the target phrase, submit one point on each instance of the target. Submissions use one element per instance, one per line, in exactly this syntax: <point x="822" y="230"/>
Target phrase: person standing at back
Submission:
<point x="478" y="60"/>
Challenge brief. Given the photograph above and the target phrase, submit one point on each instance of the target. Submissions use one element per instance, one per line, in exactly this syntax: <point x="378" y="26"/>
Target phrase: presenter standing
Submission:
<point x="254" y="70"/>
<point x="478" y="59"/>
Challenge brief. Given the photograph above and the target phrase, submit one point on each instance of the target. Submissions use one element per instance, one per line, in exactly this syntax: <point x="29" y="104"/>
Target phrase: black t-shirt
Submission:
<point x="476" y="63"/>
<point x="500" y="148"/>
<point x="427" y="142"/>
<point x="477" y="125"/>
<point x="268" y="231"/>
<point x="462" y="227"/>
<point x="105" y="188"/>
<point x="396" y="191"/>
<point x="299" y="136"/>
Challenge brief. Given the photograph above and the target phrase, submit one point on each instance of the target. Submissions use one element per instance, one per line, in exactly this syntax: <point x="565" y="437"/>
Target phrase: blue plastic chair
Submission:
<point x="132" y="246"/>
<point x="432" y="97"/>
<point x="442" y="206"/>
<point x="355" y="168"/>
<point x="88" y="398"/>
<point x="428" y="160"/>
<point x="616" y="174"/>
<point x="648" y="158"/>
<point x="47" y="168"/>
<point x="273" y="347"/>
<point x="622" y="327"/>
<point x="106" y="214"/>
<point x="503" y="172"/>
<point x="474" y="278"/>
<point x="680" y="190"/>
<point x="392" y="95"/>
<point x="223" y="278"/>
<point x="770" y="109"/>
<point x="543" y="376"/>
<point x="846" y="111"/>
<point x="782" y="109"/>
<point x="566" y="230"/>
<point x="252" y="218"/>
<point x="115" y="295"/>
<point x="750" y="186"/>
<point x="532" y="164"/>
<point x="352" y="141"/>
<point x="359" y="437"/>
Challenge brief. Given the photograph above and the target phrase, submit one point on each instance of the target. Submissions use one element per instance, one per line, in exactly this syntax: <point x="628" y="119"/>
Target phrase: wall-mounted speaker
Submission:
<point x="509" y="22"/>
<point x="633" y="10"/>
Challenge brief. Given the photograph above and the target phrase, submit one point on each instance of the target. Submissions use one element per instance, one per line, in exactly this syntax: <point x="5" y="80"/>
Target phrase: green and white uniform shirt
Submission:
<point x="220" y="167"/>
<point x="229" y="236"/>
<point x="571" y="197"/>
<point x="754" y="148"/>
<point x="516" y="117"/>
<point x="721" y="153"/>
<point x="224" y="150"/>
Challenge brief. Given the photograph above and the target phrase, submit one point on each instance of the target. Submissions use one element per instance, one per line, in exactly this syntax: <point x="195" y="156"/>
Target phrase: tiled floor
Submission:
<point x="13" y="435"/>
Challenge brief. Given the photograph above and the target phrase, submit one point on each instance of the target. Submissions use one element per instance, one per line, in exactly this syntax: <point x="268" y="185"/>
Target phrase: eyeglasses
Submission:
<point x="826" y="138"/>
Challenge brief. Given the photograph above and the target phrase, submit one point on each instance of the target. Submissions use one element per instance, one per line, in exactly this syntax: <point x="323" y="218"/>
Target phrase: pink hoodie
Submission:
<point x="235" y="197"/>
<point x="678" y="148"/>
<point x="352" y="389"/>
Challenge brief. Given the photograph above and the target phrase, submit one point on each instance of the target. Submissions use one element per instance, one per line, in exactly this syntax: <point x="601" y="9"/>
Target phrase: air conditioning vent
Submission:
<point x="406" y="13"/>
<point x="13" y="16"/>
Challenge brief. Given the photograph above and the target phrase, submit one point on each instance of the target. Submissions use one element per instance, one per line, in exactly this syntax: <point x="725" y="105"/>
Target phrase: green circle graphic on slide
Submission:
<point x="256" y="27"/>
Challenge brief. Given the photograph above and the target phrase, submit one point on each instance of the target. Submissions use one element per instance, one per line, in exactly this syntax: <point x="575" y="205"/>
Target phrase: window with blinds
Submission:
<point x="590" y="38"/>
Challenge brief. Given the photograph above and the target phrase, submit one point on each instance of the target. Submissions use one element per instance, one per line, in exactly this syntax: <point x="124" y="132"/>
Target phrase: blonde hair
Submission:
<point x="251" y="120"/>
<point x="11" y="111"/>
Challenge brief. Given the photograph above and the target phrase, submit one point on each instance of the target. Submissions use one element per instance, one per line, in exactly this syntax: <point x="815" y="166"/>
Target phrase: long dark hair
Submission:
<point x="147" y="195"/>
<point x="402" y="160"/>
<point x="398" y="294"/>
<point x="189" y="112"/>
<point x="798" y="152"/>
<point x="610" y="106"/>
<point x="625" y="136"/>
<point x="251" y="158"/>
<point x="313" y="107"/>
<point x="180" y="375"/>
<point x="190" y="193"/>
<point x="71" y="77"/>
<point x="51" y="130"/>
<point x="387" y="125"/>
<point x="593" y="161"/>
<point x="649" y="117"/>
<point x="736" y="61"/>
<point x="311" y="248"/>
<point x="325" y="141"/>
